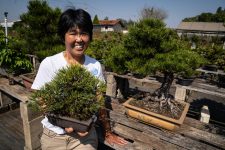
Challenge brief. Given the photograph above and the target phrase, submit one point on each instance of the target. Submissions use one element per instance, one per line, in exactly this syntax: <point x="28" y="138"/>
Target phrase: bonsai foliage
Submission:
<point x="214" y="55"/>
<point x="149" y="48"/>
<point x="101" y="47"/>
<point x="74" y="92"/>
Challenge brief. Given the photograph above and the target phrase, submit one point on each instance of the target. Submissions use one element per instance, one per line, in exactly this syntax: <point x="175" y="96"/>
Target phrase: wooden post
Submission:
<point x="111" y="86"/>
<point x="180" y="93"/>
<point x="205" y="116"/>
<point x="32" y="127"/>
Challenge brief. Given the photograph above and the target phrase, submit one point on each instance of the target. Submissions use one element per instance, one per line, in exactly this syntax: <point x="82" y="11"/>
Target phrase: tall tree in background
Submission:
<point x="219" y="16"/>
<point x="38" y="27"/>
<point x="96" y="20"/>
<point x="152" y="12"/>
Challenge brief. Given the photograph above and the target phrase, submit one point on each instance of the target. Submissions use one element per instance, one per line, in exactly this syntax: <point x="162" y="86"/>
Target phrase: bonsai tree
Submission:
<point x="74" y="92"/>
<point x="214" y="55"/>
<point x="150" y="48"/>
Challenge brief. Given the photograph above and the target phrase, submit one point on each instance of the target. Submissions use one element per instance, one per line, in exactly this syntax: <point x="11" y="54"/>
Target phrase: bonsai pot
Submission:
<point x="210" y="67"/>
<point x="65" y="122"/>
<point x="28" y="79"/>
<point x="185" y="81"/>
<point x="155" y="119"/>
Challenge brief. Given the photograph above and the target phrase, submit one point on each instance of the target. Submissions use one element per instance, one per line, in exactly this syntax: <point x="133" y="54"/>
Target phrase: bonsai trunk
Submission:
<point x="163" y="91"/>
<point x="163" y="97"/>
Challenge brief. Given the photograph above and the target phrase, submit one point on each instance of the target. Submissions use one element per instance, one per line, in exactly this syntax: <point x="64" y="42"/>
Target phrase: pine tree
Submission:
<point x="74" y="92"/>
<point x="38" y="27"/>
<point x="96" y="20"/>
<point x="149" y="48"/>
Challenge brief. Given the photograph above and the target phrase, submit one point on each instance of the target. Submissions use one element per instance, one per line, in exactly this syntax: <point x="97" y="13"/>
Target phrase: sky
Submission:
<point x="125" y="9"/>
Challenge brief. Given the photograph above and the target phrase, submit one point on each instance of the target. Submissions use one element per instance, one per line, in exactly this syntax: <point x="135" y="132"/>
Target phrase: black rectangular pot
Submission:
<point x="65" y="122"/>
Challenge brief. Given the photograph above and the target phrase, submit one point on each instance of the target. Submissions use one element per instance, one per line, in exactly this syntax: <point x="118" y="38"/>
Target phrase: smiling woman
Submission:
<point x="75" y="29"/>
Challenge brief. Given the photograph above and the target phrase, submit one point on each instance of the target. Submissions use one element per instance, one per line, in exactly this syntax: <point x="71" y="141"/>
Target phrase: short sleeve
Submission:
<point x="44" y="74"/>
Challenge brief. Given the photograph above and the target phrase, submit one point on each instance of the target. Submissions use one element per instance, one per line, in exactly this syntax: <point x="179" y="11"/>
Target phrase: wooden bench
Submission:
<point x="191" y="135"/>
<point x="31" y="120"/>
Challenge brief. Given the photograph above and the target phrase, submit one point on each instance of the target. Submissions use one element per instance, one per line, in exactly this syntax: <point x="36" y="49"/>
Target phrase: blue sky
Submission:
<point x="126" y="9"/>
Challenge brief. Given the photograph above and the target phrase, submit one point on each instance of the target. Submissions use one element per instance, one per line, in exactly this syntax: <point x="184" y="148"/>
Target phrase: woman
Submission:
<point x="75" y="29"/>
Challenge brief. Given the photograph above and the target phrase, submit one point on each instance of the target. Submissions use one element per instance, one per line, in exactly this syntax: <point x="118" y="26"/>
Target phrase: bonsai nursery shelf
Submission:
<point x="65" y="122"/>
<point x="155" y="119"/>
<point x="28" y="79"/>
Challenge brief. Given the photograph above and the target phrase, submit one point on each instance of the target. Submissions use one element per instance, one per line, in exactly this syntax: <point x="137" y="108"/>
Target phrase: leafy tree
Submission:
<point x="38" y="27"/>
<point x="151" y="12"/>
<point x="99" y="48"/>
<point x="10" y="59"/>
<point x="96" y="20"/>
<point x="219" y="16"/>
<point x="149" y="48"/>
<point x="106" y="18"/>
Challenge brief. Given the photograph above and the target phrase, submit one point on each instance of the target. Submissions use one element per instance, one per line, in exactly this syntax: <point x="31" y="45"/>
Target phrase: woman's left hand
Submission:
<point x="114" y="139"/>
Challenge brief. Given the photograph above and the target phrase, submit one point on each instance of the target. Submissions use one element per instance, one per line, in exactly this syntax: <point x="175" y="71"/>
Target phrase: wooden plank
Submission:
<point x="212" y="139"/>
<point x="148" y="140"/>
<point x="16" y="91"/>
<point x="185" y="140"/>
<point x="211" y="128"/>
<point x="170" y="137"/>
<point x="11" y="130"/>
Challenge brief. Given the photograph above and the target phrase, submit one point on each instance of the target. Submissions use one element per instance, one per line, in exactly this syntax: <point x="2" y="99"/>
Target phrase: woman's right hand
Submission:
<point x="70" y="130"/>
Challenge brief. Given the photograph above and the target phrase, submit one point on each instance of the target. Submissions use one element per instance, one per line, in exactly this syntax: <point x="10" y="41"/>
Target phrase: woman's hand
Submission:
<point x="70" y="130"/>
<point x="114" y="139"/>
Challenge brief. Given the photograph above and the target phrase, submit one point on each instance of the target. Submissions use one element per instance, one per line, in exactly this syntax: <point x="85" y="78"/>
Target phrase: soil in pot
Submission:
<point x="156" y="113"/>
<point x="153" y="106"/>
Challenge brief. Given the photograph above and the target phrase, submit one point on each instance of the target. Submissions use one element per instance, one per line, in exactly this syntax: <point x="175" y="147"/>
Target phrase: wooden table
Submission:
<point x="191" y="135"/>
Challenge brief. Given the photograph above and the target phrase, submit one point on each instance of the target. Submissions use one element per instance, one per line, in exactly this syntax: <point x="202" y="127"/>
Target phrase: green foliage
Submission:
<point x="214" y="55"/>
<point x="100" y="47"/>
<point x="150" y="47"/>
<point x="13" y="60"/>
<point x="38" y="27"/>
<point x="96" y="20"/>
<point x="74" y="92"/>
<point x="49" y="52"/>
<point x="219" y="16"/>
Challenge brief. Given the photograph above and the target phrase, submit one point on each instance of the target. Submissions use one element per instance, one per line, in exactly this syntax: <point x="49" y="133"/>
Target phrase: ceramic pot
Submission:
<point x="65" y="122"/>
<point x="155" y="119"/>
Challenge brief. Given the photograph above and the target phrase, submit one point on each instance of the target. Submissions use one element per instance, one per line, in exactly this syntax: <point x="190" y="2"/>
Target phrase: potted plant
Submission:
<point x="12" y="60"/>
<point x="71" y="99"/>
<point x="150" y="47"/>
<point x="214" y="56"/>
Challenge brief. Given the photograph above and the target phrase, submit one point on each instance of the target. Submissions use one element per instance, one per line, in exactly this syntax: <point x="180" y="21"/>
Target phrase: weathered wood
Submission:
<point x="211" y="128"/>
<point x="196" y="134"/>
<point x="11" y="131"/>
<point x="32" y="133"/>
<point x="16" y="91"/>
<point x="185" y="137"/>
<point x="27" y="114"/>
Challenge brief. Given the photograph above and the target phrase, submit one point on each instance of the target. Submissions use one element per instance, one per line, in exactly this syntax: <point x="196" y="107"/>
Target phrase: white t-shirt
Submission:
<point x="47" y="71"/>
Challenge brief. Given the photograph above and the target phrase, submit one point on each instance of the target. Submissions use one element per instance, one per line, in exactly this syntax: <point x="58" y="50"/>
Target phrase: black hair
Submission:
<point x="75" y="18"/>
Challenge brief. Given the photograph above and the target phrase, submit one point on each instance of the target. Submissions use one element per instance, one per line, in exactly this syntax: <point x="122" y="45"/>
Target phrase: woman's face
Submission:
<point x="76" y="41"/>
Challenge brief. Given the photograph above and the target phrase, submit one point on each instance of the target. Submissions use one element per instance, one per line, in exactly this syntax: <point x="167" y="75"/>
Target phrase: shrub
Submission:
<point x="74" y="92"/>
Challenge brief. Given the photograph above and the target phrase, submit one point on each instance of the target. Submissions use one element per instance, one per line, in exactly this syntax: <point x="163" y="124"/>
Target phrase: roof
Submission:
<point x="108" y="22"/>
<point x="202" y="26"/>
